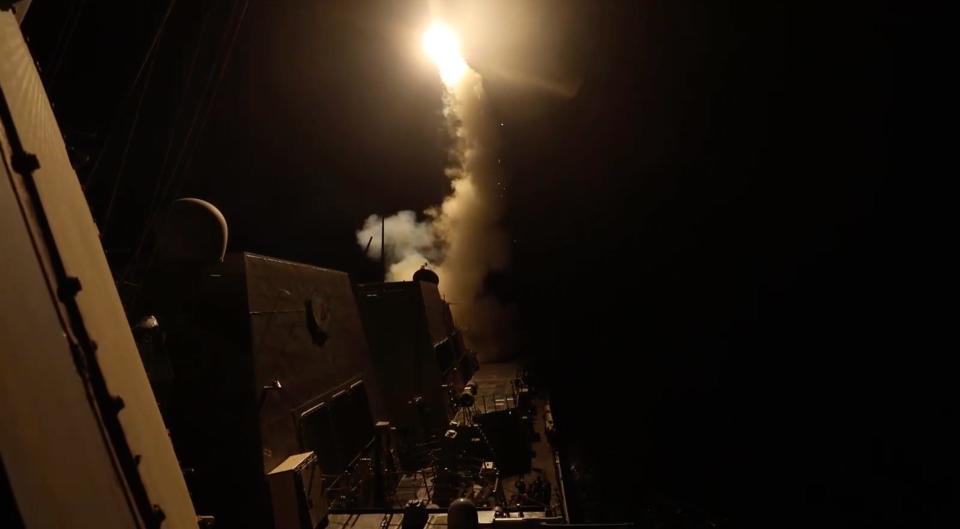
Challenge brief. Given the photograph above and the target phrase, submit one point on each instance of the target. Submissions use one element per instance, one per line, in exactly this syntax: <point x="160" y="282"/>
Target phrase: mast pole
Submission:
<point x="383" y="247"/>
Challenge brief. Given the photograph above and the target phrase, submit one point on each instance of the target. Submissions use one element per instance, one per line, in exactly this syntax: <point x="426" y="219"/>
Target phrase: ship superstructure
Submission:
<point x="235" y="390"/>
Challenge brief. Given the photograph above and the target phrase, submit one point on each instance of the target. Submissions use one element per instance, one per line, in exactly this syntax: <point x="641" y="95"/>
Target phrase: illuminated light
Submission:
<point x="443" y="48"/>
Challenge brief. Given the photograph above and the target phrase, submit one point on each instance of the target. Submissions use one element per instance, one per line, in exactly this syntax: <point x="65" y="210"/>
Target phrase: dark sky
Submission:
<point x="717" y="263"/>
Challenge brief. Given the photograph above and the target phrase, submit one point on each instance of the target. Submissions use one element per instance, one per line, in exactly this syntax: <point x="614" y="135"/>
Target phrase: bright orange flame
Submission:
<point x="443" y="48"/>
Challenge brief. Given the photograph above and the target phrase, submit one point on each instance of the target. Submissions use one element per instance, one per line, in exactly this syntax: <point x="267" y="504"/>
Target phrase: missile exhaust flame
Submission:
<point x="461" y="238"/>
<point x="442" y="46"/>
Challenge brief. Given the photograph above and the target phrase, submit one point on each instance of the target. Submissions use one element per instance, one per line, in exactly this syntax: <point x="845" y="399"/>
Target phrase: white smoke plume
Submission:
<point x="410" y="243"/>
<point x="461" y="239"/>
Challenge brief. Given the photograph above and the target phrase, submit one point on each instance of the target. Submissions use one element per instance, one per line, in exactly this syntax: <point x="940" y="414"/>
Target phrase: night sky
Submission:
<point x="716" y="261"/>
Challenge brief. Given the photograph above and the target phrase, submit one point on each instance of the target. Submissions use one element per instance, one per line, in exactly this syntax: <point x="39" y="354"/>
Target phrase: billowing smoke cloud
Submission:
<point x="461" y="239"/>
<point x="410" y="243"/>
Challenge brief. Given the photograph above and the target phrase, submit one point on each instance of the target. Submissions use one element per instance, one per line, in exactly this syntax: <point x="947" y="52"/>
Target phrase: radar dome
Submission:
<point x="426" y="275"/>
<point x="462" y="514"/>
<point x="193" y="230"/>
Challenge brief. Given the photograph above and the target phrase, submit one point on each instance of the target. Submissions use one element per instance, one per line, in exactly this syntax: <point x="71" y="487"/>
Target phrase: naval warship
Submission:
<point x="235" y="390"/>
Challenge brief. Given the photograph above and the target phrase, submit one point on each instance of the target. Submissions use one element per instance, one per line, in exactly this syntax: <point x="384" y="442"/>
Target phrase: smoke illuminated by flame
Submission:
<point x="443" y="48"/>
<point x="461" y="238"/>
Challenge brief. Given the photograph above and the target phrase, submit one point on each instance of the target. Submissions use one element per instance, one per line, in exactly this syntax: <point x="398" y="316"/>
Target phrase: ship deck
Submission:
<point x="496" y="391"/>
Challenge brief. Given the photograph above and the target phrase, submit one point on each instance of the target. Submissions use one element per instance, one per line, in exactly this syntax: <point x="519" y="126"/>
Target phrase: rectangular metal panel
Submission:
<point x="79" y="247"/>
<point x="439" y="319"/>
<point x="297" y="493"/>
<point x="317" y="434"/>
<point x="44" y="402"/>
<point x="403" y="358"/>
<point x="305" y="333"/>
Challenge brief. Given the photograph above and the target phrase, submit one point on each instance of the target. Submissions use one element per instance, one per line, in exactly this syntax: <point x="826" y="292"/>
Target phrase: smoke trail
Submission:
<point x="461" y="238"/>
